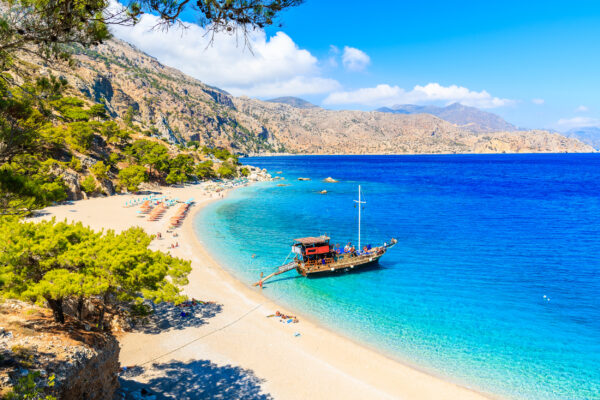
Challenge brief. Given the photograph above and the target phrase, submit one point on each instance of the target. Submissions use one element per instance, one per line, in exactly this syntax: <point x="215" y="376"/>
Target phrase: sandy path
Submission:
<point x="239" y="353"/>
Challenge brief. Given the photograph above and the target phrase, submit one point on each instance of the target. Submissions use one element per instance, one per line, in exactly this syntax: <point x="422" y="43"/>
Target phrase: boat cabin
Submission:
<point x="312" y="248"/>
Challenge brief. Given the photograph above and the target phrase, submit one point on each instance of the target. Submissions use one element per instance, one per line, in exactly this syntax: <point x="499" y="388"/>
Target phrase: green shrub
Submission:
<point x="88" y="185"/>
<point x="75" y="164"/>
<point x="31" y="387"/>
<point x="114" y="158"/>
<point x="100" y="170"/>
<point x="128" y="117"/>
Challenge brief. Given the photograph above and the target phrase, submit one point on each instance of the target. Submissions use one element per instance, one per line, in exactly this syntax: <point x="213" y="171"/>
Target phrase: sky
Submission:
<point x="535" y="63"/>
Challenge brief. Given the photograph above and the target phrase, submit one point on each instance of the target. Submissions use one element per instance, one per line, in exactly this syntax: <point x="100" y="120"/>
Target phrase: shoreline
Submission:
<point x="265" y="300"/>
<point x="319" y="363"/>
<point x="415" y="154"/>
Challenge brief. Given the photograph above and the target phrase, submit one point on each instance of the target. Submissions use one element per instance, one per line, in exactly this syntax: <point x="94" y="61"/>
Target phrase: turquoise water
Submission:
<point x="482" y="240"/>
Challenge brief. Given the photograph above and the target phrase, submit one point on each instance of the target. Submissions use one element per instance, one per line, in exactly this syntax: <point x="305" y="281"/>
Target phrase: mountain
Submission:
<point x="293" y="101"/>
<point x="167" y="104"/>
<point x="321" y="131"/>
<point x="589" y="135"/>
<point x="466" y="117"/>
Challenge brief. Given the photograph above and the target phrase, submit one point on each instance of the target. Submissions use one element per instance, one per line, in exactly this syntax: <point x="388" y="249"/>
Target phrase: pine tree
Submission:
<point x="49" y="262"/>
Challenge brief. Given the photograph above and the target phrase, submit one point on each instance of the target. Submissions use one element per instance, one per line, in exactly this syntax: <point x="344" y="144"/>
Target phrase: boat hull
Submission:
<point x="347" y="270"/>
<point x="345" y="266"/>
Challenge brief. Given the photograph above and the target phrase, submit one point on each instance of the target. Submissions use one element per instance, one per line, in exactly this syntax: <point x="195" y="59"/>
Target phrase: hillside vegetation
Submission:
<point x="69" y="146"/>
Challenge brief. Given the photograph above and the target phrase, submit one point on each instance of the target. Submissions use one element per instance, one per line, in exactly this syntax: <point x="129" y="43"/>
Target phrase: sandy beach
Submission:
<point x="236" y="351"/>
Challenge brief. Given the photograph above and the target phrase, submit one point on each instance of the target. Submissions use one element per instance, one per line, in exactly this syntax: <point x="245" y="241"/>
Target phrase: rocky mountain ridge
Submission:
<point x="469" y="118"/>
<point x="170" y="105"/>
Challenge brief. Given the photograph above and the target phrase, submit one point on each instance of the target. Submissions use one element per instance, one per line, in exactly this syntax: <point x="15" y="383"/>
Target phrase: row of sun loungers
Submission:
<point x="155" y="208"/>
<point x="157" y="212"/>
<point x="177" y="219"/>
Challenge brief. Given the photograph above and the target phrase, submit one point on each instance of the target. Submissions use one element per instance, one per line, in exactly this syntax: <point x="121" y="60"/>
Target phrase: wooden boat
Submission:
<point x="315" y="256"/>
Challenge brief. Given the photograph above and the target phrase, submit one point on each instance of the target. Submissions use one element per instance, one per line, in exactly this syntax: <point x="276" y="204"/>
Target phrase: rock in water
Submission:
<point x="323" y="192"/>
<point x="304" y="179"/>
<point x="330" y="180"/>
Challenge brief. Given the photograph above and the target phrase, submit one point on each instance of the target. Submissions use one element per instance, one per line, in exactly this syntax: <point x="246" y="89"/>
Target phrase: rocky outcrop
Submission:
<point x="84" y="362"/>
<point x="103" y="90"/>
<point x="71" y="180"/>
<point x="107" y="187"/>
<point x="257" y="174"/>
<point x="220" y="97"/>
<point x="94" y="375"/>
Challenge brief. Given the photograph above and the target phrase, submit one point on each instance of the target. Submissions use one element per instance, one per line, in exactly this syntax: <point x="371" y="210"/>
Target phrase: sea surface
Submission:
<point x="495" y="281"/>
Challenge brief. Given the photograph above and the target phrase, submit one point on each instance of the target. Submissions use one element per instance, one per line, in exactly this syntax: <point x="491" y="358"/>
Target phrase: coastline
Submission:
<point x="418" y="154"/>
<point x="317" y="364"/>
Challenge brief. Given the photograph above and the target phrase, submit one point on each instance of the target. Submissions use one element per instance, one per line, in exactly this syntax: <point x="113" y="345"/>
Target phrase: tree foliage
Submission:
<point x="226" y="170"/>
<point x="114" y="134"/>
<point x="204" y="170"/>
<point x="47" y="27"/>
<point x="220" y="153"/>
<point x="132" y="176"/>
<point x="51" y="262"/>
<point x="27" y="184"/>
<point x="181" y="168"/>
<point x="150" y="153"/>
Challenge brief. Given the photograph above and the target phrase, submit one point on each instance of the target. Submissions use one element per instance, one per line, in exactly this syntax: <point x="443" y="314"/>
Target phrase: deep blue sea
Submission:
<point x="495" y="281"/>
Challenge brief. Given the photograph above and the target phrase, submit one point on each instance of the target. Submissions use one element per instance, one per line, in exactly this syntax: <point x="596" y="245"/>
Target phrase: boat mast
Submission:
<point x="359" y="206"/>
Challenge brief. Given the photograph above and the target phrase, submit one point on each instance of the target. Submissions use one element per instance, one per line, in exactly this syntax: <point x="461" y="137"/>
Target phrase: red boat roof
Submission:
<point x="312" y="239"/>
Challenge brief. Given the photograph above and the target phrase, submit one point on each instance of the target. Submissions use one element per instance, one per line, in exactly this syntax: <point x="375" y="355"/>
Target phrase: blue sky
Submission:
<point x="536" y="63"/>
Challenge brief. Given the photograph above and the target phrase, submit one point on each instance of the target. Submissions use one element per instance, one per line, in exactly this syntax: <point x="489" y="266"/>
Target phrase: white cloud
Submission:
<point x="270" y="67"/>
<point x="334" y="51"/>
<point x="288" y="87"/>
<point x="354" y="59"/>
<point x="581" y="109"/>
<point x="578" y="122"/>
<point x="386" y="95"/>
<point x="539" y="102"/>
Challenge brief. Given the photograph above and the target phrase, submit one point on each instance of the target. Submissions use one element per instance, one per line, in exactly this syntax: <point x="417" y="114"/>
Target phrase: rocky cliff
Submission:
<point x="173" y="106"/>
<point x="81" y="362"/>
